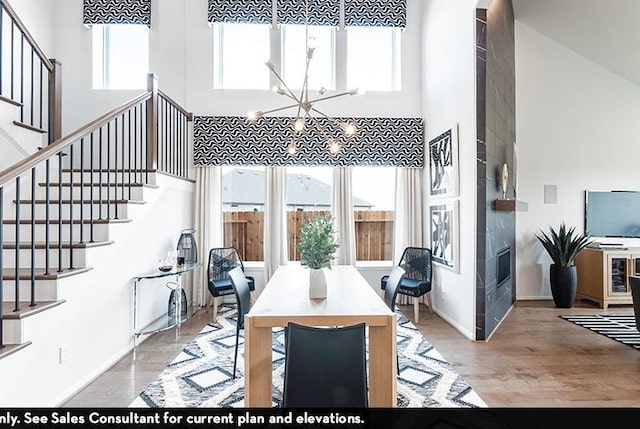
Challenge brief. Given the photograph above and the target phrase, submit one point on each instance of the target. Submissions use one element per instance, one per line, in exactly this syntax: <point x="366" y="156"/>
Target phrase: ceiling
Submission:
<point x="606" y="32"/>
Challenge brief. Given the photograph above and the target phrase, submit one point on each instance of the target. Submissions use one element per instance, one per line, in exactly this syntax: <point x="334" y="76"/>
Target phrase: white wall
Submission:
<point x="448" y="98"/>
<point x="36" y="16"/>
<point x="577" y="128"/>
<point x="182" y="57"/>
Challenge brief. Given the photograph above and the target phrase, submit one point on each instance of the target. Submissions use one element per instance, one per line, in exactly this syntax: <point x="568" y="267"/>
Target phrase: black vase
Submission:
<point x="564" y="283"/>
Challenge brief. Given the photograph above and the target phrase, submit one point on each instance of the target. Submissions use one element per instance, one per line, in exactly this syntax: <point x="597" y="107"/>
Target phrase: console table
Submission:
<point x="164" y="322"/>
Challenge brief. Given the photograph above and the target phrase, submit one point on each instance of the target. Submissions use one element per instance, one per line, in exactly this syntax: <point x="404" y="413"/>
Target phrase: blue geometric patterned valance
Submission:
<point x="244" y="11"/>
<point x="116" y="12"/>
<point x="375" y="13"/>
<point x="230" y="140"/>
<point x="321" y="12"/>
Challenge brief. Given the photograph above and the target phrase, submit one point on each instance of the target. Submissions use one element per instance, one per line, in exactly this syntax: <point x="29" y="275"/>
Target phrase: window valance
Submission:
<point x="230" y="140"/>
<point x="375" y="13"/>
<point x="321" y="12"/>
<point x="241" y="11"/>
<point x="116" y="12"/>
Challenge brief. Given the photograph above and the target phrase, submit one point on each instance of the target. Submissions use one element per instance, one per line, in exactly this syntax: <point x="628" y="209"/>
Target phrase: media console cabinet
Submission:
<point x="603" y="274"/>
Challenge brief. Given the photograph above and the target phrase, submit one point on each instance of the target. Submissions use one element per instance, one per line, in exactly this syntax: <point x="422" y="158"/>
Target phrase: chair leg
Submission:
<point x="416" y="309"/>
<point x="235" y="357"/>
<point x="215" y="308"/>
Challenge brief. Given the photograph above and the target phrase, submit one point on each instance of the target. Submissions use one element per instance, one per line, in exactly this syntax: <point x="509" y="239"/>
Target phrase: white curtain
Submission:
<point x="275" y="221"/>
<point x="409" y="217"/>
<point x="208" y="224"/>
<point x="342" y="212"/>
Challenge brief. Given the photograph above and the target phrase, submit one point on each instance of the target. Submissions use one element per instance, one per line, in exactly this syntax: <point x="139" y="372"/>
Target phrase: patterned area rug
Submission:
<point x="202" y="375"/>
<point x="621" y="328"/>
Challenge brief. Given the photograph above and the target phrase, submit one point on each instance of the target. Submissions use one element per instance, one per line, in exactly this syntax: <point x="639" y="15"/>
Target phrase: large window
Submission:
<point x="243" y="210"/>
<point x="239" y="53"/>
<point x="322" y="65"/>
<point x="120" y="56"/>
<point x="374" y="202"/>
<point x="373" y="58"/>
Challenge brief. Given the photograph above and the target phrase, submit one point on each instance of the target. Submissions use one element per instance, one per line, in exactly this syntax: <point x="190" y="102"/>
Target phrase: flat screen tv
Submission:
<point x="612" y="213"/>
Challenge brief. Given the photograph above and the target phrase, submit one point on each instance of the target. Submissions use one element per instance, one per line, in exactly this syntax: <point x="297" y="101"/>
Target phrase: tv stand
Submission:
<point x="603" y="274"/>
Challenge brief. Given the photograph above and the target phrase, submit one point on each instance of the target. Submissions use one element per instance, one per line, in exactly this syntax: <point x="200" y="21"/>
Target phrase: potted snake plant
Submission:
<point x="563" y="247"/>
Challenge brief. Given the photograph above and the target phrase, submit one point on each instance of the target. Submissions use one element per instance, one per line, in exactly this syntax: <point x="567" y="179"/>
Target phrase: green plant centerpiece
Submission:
<point x="317" y="247"/>
<point x="563" y="247"/>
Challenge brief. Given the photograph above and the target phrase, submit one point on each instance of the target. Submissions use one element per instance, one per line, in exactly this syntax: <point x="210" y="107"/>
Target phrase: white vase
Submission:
<point x="317" y="284"/>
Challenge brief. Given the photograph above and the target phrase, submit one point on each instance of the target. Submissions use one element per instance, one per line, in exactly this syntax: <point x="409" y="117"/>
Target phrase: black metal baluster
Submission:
<point x="135" y="148"/>
<point x="60" y="212"/>
<point x="100" y="174"/>
<point x="129" y="158"/>
<point x="108" y="168"/>
<point x="121" y="164"/>
<point x="70" y="209"/>
<point x="115" y="166"/>
<point x="32" y="273"/>
<point x="41" y="92"/>
<point x="143" y="137"/>
<point x="81" y="190"/>
<point x="47" y="207"/>
<point x="33" y="122"/>
<point x="91" y="183"/>
<point x="12" y="73"/>
<point x="17" y="258"/>
<point x="22" y="77"/>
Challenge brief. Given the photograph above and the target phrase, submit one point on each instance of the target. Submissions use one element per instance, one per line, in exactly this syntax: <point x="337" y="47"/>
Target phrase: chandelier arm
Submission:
<point x="329" y="97"/>
<point x="281" y="108"/>
<point x="332" y="120"/>
<point x="291" y="94"/>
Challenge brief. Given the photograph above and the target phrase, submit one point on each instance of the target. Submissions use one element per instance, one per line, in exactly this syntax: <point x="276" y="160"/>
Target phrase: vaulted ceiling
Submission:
<point x="606" y="32"/>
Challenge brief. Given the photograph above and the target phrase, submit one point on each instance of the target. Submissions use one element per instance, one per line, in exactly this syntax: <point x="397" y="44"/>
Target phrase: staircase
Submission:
<point x="78" y="219"/>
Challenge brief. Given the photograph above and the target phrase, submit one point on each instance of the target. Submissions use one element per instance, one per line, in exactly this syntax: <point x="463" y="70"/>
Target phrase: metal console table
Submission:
<point x="165" y="321"/>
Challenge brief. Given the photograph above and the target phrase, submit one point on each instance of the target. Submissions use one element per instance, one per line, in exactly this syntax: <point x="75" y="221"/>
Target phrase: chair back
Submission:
<point x="416" y="262"/>
<point x="325" y="367"/>
<point x="221" y="261"/>
<point x="242" y="291"/>
<point x="393" y="284"/>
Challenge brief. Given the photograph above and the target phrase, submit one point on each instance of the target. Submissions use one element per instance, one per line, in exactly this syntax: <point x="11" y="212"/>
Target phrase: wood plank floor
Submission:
<point x="535" y="359"/>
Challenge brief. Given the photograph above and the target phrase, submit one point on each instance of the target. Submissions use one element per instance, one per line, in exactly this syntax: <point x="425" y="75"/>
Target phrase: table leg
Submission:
<point x="382" y="365"/>
<point x="258" y="365"/>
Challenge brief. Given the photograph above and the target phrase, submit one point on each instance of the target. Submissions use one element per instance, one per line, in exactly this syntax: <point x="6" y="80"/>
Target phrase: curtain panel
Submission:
<point x="321" y="12"/>
<point x="240" y="11"/>
<point x="230" y="140"/>
<point x="116" y="12"/>
<point x="275" y="221"/>
<point x="343" y="217"/>
<point x="375" y="13"/>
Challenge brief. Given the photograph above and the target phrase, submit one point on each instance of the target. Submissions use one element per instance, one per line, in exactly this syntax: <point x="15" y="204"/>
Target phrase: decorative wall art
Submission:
<point x="443" y="164"/>
<point x="444" y="234"/>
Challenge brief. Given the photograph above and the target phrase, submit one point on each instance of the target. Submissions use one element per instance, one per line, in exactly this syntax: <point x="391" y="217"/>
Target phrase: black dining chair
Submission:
<point x="417" y="264"/>
<point x="391" y="293"/>
<point x="221" y="261"/>
<point x="325" y="367"/>
<point x="241" y="289"/>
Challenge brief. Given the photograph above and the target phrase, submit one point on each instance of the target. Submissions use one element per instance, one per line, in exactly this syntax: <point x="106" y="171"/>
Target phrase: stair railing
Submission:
<point x="106" y="161"/>
<point x="28" y="79"/>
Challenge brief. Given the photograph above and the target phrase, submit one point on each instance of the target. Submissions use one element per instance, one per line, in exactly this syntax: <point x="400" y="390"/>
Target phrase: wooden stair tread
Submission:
<point x="106" y="170"/>
<point x="10" y="349"/>
<point x="104" y="185"/>
<point x="10" y="101"/>
<point x="25" y="273"/>
<point x="25" y="309"/>
<point x="52" y="245"/>
<point x="66" y="221"/>
<point x="86" y="201"/>
<point x="29" y="127"/>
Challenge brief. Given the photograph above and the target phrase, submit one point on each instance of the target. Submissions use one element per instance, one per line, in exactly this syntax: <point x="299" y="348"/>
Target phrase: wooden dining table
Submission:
<point x="350" y="300"/>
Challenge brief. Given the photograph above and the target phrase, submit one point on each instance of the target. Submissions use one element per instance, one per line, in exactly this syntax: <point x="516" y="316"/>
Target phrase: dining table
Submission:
<point x="349" y="300"/>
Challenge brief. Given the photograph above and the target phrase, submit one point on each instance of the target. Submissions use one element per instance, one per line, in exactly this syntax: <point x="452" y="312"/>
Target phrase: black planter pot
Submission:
<point x="564" y="283"/>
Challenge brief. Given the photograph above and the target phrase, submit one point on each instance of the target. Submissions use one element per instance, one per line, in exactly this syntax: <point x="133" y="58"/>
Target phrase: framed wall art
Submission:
<point x="443" y="164"/>
<point x="444" y="234"/>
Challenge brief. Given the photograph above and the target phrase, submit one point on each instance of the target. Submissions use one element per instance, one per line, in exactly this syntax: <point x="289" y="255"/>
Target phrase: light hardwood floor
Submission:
<point x="534" y="359"/>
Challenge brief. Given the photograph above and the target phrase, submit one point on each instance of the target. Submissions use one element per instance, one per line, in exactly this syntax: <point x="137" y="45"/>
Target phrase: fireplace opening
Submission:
<point x="504" y="265"/>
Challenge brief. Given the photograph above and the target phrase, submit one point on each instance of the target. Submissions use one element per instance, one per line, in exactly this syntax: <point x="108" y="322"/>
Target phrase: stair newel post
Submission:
<point x="71" y="208"/>
<point x="47" y="217"/>
<point x="32" y="273"/>
<point x="17" y="258"/>
<point x="152" y="125"/>
<point x="55" y="101"/>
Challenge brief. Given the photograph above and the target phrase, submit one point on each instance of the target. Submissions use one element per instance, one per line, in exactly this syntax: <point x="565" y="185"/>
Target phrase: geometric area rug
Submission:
<point x="202" y="374"/>
<point x="621" y="328"/>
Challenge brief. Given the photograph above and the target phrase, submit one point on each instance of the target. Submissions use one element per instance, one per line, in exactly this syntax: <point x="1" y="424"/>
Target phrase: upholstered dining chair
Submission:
<point x="241" y="289"/>
<point x="325" y="367"/>
<point x="221" y="261"/>
<point x="417" y="264"/>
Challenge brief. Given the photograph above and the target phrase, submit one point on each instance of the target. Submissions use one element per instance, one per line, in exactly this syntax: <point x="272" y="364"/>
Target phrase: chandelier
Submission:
<point x="307" y="114"/>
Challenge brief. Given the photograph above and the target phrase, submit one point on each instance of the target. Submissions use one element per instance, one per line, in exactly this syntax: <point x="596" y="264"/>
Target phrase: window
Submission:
<point x="322" y="66"/>
<point x="120" y="56"/>
<point x="373" y="58"/>
<point x="374" y="202"/>
<point x="243" y="210"/>
<point x="240" y="51"/>
<point x="308" y="195"/>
